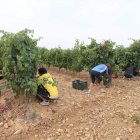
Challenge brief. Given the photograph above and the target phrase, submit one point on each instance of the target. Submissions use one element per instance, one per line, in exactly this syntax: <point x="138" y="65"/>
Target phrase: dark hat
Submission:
<point x="42" y="71"/>
<point x="108" y="65"/>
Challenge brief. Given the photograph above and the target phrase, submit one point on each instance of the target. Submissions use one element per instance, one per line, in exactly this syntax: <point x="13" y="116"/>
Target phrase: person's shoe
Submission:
<point x="44" y="103"/>
<point x="103" y="91"/>
<point x="89" y="92"/>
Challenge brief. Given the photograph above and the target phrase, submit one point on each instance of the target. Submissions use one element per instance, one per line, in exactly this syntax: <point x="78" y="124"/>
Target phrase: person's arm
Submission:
<point x="39" y="80"/>
<point x="107" y="72"/>
<point x="124" y="69"/>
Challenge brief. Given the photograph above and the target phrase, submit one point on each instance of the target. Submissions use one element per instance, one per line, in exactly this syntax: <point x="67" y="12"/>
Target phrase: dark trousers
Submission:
<point x="128" y="75"/>
<point x="1" y="77"/>
<point x="94" y="75"/>
<point x="42" y="93"/>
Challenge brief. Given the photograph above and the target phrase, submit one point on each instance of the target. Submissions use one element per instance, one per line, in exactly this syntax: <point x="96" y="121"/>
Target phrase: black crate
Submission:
<point x="75" y="84"/>
<point x="80" y="85"/>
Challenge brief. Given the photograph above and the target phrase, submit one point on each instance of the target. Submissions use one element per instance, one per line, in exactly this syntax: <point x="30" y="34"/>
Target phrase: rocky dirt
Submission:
<point x="106" y="114"/>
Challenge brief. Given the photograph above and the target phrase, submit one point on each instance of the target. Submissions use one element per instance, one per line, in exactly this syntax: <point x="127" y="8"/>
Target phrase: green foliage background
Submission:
<point x="84" y="57"/>
<point x="20" y="58"/>
<point x="19" y="61"/>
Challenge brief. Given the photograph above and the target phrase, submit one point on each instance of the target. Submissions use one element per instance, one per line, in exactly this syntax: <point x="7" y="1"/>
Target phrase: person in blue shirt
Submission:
<point x="96" y="73"/>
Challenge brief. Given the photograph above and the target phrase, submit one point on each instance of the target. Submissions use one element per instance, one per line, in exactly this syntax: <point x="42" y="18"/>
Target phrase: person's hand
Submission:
<point x="37" y="75"/>
<point x="109" y="76"/>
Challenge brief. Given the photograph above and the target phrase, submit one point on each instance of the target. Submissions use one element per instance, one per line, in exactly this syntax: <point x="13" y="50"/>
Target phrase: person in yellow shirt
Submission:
<point x="47" y="87"/>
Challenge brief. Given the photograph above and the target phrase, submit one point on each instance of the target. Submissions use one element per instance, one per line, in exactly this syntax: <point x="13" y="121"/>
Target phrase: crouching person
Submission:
<point x="47" y="87"/>
<point x="129" y="69"/>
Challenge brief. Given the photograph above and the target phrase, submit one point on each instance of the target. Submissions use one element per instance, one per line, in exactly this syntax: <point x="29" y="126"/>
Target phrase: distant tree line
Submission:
<point x="83" y="57"/>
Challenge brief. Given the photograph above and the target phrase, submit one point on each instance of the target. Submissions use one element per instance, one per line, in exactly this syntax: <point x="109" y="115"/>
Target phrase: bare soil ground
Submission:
<point x="108" y="114"/>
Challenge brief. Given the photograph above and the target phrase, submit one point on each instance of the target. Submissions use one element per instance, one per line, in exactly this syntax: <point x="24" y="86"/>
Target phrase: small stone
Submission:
<point x="125" y="121"/>
<point x="130" y="130"/>
<point x="117" y="138"/>
<point x="6" y="125"/>
<point x="49" y="139"/>
<point x="67" y="130"/>
<point x="1" y="124"/>
<point x="79" y="105"/>
<point x="68" y="135"/>
<point x="60" y="130"/>
<point x="105" y="102"/>
<point x="103" y="91"/>
<point x="111" y="115"/>
<point x="58" y="133"/>
<point x="87" y="129"/>
<point x="136" y="108"/>
<point x="66" y="119"/>
<point x="105" y="134"/>
<point x="71" y="125"/>
<point x="27" y="128"/>
<point x="72" y="103"/>
<point x="36" y="135"/>
<point x="87" y="135"/>
<point x="42" y="115"/>
<point x="63" y="121"/>
<point x="130" y="110"/>
<point x="118" y="91"/>
<point x="17" y="132"/>
<point x="10" y="123"/>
